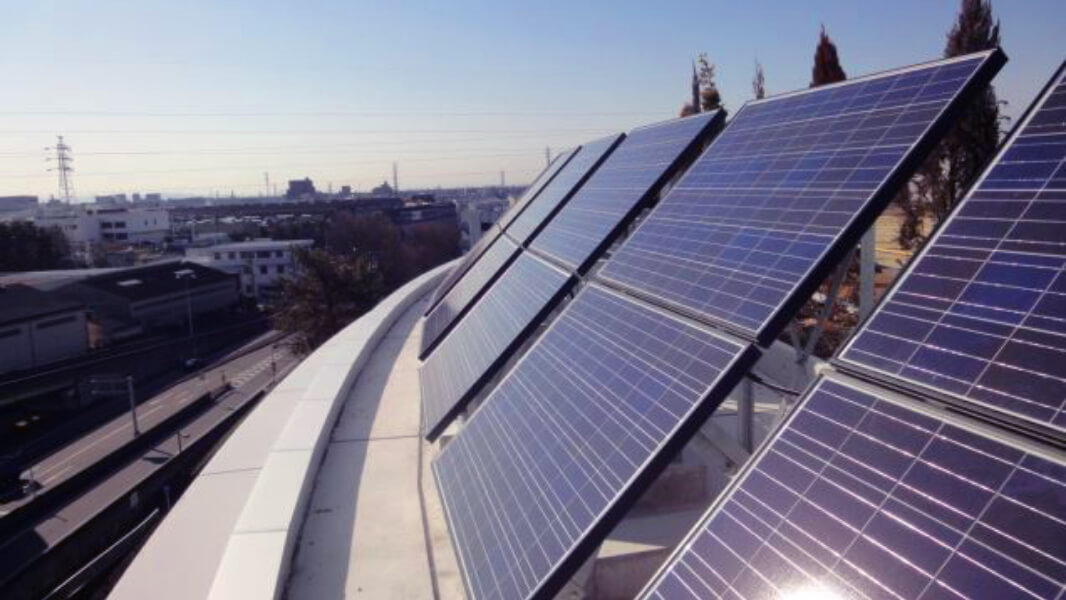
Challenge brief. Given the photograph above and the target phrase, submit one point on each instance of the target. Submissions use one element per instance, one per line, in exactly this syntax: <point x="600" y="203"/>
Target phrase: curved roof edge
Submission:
<point x="233" y="532"/>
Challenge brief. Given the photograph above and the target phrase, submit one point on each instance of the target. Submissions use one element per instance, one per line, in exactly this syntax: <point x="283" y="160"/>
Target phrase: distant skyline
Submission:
<point x="199" y="97"/>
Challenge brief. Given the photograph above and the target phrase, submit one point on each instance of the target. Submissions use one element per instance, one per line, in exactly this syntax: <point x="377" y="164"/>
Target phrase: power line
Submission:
<point x="260" y="166"/>
<point x="302" y="131"/>
<point x="333" y="113"/>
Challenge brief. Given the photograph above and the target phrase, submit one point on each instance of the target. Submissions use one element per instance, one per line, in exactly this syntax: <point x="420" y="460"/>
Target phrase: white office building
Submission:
<point x="261" y="264"/>
<point x="89" y="224"/>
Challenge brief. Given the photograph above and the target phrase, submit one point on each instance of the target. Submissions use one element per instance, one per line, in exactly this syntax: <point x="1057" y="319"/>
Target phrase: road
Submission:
<point x="250" y="370"/>
<point x="249" y="374"/>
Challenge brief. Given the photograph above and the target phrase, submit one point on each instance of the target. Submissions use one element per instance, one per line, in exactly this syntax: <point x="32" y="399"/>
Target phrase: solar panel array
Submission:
<point x="634" y="173"/>
<point x="862" y="495"/>
<point x="742" y="240"/>
<point x="488" y="237"/>
<point x="483" y="338"/>
<point x="466" y="290"/>
<point x="981" y="313"/>
<point x="548" y="454"/>
<point x="599" y="404"/>
<point x="562" y="187"/>
<point x="559" y="162"/>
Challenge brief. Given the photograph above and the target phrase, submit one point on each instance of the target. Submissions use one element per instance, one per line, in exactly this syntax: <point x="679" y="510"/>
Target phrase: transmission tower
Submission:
<point x="63" y="159"/>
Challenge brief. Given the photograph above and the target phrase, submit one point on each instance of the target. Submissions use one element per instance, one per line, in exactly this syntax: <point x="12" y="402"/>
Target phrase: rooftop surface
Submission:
<point x="22" y="302"/>
<point x="155" y="280"/>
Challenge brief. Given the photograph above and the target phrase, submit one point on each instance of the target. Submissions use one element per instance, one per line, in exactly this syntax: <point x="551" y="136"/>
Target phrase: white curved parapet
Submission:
<point x="233" y="532"/>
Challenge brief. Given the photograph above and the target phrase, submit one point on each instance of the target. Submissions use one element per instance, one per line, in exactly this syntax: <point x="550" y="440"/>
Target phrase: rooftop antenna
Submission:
<point x="63" y="168"/>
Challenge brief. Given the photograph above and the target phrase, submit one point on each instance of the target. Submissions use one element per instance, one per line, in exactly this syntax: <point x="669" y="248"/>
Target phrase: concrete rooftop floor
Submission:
<point x="374" y="526"/>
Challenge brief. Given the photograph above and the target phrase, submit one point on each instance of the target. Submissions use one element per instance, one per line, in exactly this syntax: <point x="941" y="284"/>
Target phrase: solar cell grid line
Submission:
<point x="573" y="435"/>
<point x="464" y="264"/>
<point x="466" y="291"/>
<point x="557" y="163"/>
<point x="567" y="181"/>
<point x="484" y="338"/>
<point x="786" y="190"/>
<point x="625" y="183"/>
<point x="862" y="493"/>
<point x="979" y="316"/>
<point x="494" y="232"/>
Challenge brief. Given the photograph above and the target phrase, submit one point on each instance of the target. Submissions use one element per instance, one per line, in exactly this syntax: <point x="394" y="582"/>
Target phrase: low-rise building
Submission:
<point x="17" y="203"/>
<point x="260" y="264"/>
<point x="126" y="302"/>
<point x="91" y="224"/>
<point x="38" y="327"/>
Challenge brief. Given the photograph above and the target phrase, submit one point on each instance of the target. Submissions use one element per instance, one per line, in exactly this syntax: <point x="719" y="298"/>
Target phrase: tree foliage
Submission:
<point x="363" y="258"/>
<point x="758" y="83"/>
<point x="27" y="247"/>
<point x="827" y="67"/>
<point x="326" y="293"/>
<point x="960" y="156"/>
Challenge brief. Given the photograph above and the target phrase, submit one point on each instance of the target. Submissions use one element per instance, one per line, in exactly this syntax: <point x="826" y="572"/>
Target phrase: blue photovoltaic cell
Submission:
<point x="466" y="290"/>
<point x="777" y="193"/>
<point x="561" y="187"/>
<point x="561" y="439"/>
<point x="484" y="335"/>
<point x="534" y="189"/>
<point x="487" y="238"/>
<point x="981" y="313"/>
<point x="647" y="158"/>
<point x="861" y="496"/>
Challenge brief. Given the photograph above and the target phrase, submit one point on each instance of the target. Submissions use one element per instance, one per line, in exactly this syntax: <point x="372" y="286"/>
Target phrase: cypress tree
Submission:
<point x="695" y="90"/>
<point x="758" y="83"/>
<point x="972" y="141"/>
<point x="710" y="98"/>
<point x="827" y="67"/>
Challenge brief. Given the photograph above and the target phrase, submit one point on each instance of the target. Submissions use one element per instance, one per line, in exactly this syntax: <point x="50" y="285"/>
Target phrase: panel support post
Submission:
<point x="746" y="415"/>
<point x="867" y="271"/>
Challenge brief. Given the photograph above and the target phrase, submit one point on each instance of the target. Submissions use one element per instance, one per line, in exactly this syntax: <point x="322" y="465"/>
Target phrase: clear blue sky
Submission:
<point x="204" y="96"/>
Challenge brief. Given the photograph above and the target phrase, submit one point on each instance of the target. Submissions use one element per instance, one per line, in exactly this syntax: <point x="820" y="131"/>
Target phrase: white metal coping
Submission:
<point x="233" y="532"/>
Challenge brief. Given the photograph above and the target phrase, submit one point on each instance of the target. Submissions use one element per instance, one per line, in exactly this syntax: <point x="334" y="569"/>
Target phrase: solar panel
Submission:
<point x="488" y="237"/>
<point x="466" y="291"/>
<point x="759" y="220"/>
<point x="538" y="184"/>
<point x="980" y="315"/>
<point x="630" y="177"/>
<point x="565" y="183"/>
<point x="572" y="435"/>
<point x="485" y="336"/>
<point x="468" y="260"/>
<point x="864" y="495"/>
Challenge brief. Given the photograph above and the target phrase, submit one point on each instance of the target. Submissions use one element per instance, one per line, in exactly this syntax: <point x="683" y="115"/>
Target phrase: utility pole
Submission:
<point x="185" y="276"/>
<point x="133" y="405"/>
<point x="63" y="168"/>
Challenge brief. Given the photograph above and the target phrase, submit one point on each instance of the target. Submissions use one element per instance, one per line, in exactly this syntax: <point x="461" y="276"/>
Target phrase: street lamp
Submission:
<point x="185" y="275"/>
